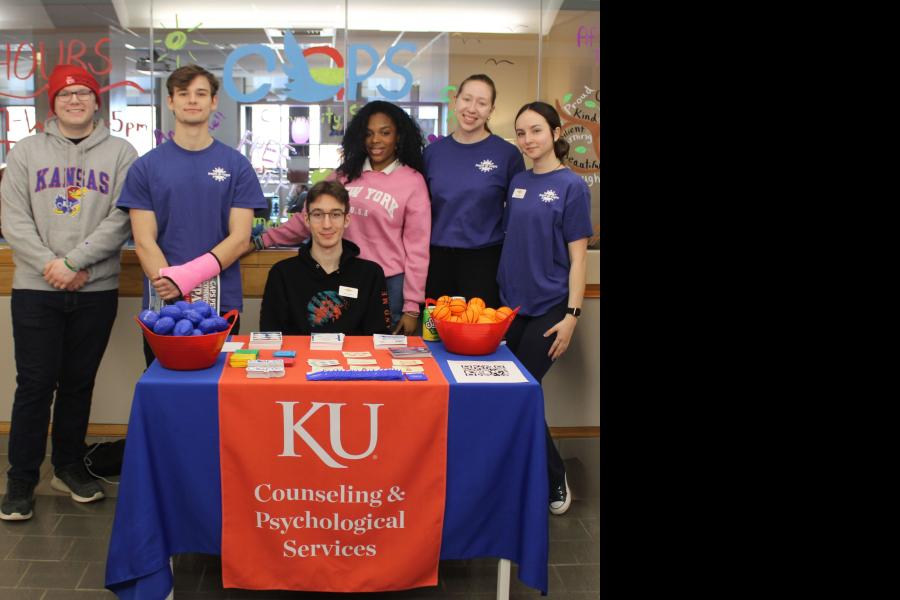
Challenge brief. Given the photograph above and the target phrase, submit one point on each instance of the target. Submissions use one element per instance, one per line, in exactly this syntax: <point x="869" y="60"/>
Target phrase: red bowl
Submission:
<point x="188" y="352"/>
<point x="473" y="339"/>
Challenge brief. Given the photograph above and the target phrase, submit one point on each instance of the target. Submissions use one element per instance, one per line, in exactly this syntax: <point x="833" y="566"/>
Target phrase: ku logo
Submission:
<point x="292" y="426"/>
<point x="71" y="203"/>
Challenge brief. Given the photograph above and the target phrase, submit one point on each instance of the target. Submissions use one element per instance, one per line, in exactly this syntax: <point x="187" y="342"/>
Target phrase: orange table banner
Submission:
<point x="332" y="486"/>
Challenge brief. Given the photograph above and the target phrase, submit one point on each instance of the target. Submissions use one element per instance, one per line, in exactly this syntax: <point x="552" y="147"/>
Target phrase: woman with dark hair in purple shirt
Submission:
<point x="468" y="174"/>
<point x="542" y="267"/>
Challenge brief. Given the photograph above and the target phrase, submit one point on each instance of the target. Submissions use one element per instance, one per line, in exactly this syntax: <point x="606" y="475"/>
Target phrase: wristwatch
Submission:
<point x="575" y="312"/>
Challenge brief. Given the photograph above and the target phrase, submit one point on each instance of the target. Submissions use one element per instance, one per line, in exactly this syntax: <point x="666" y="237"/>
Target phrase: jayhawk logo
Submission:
<point x="325" y="307"/>
<point x="71" y="203"/>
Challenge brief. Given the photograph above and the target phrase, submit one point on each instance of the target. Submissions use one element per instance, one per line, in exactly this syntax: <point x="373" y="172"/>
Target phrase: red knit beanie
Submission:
<point x="66" y="75"/>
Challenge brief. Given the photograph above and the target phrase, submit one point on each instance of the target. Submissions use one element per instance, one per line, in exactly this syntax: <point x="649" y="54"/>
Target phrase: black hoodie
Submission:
<point x="300" y="298"/>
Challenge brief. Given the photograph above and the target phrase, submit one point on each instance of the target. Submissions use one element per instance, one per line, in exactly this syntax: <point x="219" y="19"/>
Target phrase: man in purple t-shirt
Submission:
<point x="191" y="203"/>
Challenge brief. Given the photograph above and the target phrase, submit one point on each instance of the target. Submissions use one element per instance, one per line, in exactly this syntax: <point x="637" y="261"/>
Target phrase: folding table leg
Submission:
<point x="503" y="579"/>
<point x="171" y="595"/>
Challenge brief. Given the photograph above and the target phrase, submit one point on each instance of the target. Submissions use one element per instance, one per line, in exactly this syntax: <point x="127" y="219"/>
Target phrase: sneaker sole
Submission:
<point x="16" y="516"/>
<point x="565" y="505"/>
<point x="58" y="484"/>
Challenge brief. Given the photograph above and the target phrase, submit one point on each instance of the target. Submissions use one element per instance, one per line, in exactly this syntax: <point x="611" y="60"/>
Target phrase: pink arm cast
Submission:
<point x="193" y="273"/>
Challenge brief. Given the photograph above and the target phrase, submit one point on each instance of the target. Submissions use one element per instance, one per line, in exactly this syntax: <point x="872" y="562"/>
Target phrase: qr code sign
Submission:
<point x="484" y="370"/>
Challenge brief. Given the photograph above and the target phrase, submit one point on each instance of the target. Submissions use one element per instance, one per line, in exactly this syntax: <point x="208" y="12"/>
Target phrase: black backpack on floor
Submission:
<point x="105" y="458"/>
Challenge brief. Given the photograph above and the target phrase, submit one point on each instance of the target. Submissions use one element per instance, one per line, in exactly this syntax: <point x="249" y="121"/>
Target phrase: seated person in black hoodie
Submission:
<point x="326" y="287"/>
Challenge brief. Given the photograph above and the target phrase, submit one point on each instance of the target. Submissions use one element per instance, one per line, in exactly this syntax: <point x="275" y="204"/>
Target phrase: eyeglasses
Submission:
<point x="66" y="94"/>
<point x="319" y="215"/>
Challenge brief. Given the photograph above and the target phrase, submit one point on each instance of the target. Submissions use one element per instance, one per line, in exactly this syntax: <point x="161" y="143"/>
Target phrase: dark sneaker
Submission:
<point x="105" y="459"/>
<point x="75" y="480"/>
<point x="560" y="497"/>
<point x="18" y="504"/>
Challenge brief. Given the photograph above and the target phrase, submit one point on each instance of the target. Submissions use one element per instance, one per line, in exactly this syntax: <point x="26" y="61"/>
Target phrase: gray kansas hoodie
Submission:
<point x="59" y="201"/>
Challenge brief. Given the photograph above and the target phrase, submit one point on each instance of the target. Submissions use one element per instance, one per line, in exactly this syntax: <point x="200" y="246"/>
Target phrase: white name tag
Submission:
<point x="349" y="292"/>
<point x="518" y="193"/>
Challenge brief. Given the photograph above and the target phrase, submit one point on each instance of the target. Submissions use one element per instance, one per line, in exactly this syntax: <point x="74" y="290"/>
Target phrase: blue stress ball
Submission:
<point x="148" y="318"/>
<point x="171" y="311"/>
<point x="221" y="324"/>
<point x="193" y="316"/>
<point x="183" y="305"/>
<point x="208" y="325"/>
<point x="203" y="308"/>
<point x="164" y="326"/>
<point x="183" y="327"/>
<point x="197" y="332"/>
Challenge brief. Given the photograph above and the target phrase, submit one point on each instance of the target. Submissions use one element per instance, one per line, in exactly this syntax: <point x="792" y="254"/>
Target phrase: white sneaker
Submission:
<point x="77" y="482"/>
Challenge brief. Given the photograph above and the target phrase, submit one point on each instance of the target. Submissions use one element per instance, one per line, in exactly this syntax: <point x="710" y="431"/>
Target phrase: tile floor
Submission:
<point x="60" y="554"/>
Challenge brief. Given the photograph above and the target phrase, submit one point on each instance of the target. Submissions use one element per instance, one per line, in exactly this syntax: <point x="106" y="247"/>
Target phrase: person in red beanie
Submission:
<point x="59" y="216"/>
<point x="71" y="75"/>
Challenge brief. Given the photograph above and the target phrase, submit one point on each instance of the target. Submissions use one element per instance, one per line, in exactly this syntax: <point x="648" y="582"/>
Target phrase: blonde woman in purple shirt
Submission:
<point x="468" y="174"/>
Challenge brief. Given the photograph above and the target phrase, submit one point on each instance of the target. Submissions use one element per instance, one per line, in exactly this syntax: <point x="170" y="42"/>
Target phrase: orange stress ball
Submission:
<point x="441" y="312"/>
<point x="443" y="300"/>
<point x="457" y="306"/>
<point x="476" y="302"/>
<point x="503" y="312"/>
<point x="471" y="315"/>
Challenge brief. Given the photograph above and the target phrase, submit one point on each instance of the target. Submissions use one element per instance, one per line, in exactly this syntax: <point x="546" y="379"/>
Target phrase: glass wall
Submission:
<point x="570" y="80"/>
<point x="294" y="71"/>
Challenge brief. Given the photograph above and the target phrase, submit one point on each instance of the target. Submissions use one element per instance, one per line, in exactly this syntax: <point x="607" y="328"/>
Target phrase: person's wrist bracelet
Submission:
<point x="68" y="266"/>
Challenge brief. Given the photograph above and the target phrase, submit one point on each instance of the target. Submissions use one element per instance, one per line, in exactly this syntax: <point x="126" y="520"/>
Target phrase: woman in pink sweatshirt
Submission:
<point x="390" y="213"/>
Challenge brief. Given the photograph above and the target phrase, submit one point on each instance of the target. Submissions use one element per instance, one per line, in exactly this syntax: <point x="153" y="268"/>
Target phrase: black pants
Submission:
<point x="464" y="272"/>
<point x="525" y="338"/>
<point x="149" y="357"/>
<point x="59" y="339"/>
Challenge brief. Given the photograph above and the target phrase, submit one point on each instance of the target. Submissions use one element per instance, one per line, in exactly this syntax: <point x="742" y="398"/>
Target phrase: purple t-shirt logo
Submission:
<point x="548" y="196"/>
<point x="486" y="166"/>
<point x="219" y="174"/>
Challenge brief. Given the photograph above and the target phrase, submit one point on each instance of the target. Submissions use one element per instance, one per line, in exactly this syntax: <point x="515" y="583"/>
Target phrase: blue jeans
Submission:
<point x="395" y="297"/>
<point x="59" y="340"/>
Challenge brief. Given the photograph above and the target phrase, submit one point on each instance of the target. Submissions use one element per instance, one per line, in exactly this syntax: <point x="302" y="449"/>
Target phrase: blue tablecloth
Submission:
<point x="170" y="498"/>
